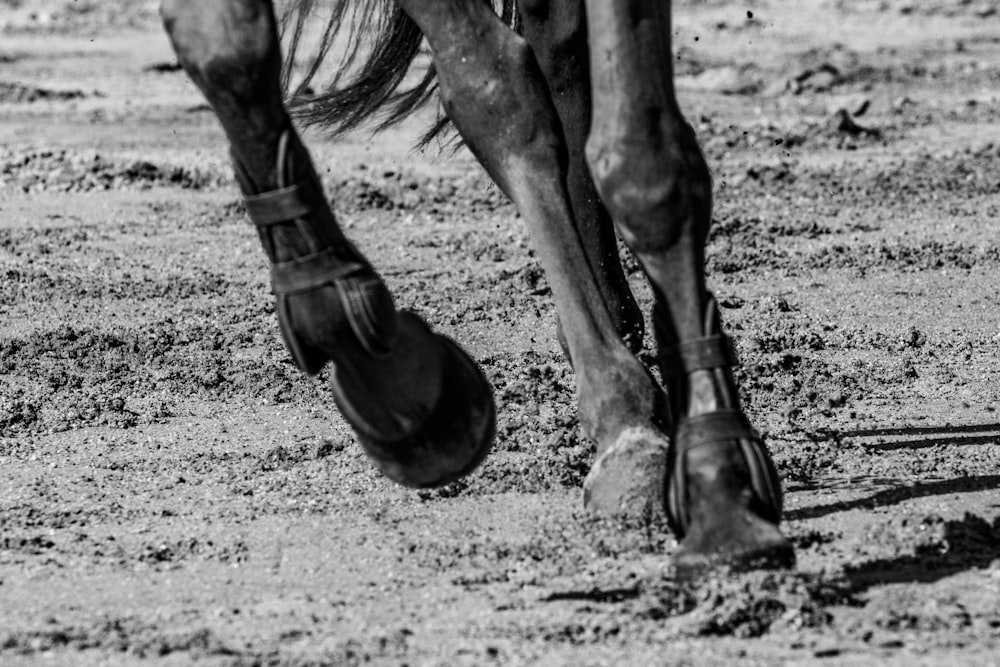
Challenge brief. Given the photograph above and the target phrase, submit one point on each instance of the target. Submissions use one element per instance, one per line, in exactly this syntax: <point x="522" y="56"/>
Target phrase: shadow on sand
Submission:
<point x="899" y="494"/>
<point x="927" y="436"/>
<point x="970" y="543"/>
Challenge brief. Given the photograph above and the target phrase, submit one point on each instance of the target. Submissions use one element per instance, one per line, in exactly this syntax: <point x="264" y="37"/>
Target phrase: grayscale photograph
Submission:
<point x="499" y="332"/>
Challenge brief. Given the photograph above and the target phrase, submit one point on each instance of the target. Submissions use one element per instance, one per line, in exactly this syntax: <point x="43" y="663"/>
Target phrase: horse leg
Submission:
<point x="420" y="407"/>
<point x="724" y="498"/>
<point x="557" y="34"/>
<point x="493" y="91"/>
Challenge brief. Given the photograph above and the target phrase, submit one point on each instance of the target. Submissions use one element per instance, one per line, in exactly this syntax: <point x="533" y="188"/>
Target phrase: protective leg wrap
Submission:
<point x="714" y="429"/>
<point x="361" y="299"/>
<point x="388" y="365"/>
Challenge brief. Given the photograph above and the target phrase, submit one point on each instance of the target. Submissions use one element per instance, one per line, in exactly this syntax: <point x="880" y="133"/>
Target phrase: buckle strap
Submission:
<point x="282" y="205"/>
<point x="312" y="271"/>
<point x="715" y="351"/>
<point x="711" y="427"/>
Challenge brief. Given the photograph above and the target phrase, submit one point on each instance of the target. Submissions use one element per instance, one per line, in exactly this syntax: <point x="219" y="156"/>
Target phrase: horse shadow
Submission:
<point x="920" y="437"/>
<point x="971" y="543"/>
<point x="966" y="544"/>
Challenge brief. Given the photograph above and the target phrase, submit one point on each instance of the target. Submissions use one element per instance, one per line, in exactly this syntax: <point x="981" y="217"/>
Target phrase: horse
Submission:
<point x="570" y="108"/>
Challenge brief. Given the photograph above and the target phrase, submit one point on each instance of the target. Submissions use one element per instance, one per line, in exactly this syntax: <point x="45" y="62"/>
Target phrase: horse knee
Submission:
<point x="654" y="182"/>
<point x="230" y="44"/>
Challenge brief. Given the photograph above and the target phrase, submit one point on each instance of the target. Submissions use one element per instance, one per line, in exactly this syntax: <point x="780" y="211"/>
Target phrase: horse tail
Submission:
<point x="379" y="44"/>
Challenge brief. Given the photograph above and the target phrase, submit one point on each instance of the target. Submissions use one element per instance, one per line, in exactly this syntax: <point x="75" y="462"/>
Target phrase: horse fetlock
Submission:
<point x="353" y="315"/>
<point x="624" y="414"/>
<point x="696" y="370"/>
<point x="371" y="313"/>
<point x="616" y="395"/>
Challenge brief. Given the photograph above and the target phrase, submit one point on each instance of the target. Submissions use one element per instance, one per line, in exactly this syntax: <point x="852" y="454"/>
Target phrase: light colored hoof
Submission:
<point x="627" y="479"/>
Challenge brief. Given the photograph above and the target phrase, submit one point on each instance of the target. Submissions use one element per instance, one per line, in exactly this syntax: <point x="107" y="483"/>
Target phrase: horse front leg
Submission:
<point x="496" y="95"/>
<point x="421" y="408"/>
<point x="724" y="497"/>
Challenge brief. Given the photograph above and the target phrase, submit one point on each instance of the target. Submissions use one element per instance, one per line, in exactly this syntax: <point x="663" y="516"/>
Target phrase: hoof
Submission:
<point x="626" y="479"/>
<point x="725" y="498"/>
<point x="454" y="438"/>
<point x="737" y="541"/>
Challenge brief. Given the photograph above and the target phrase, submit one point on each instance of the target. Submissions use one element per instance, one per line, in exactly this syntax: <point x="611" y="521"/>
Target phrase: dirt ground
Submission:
<point x="173" y="490"/>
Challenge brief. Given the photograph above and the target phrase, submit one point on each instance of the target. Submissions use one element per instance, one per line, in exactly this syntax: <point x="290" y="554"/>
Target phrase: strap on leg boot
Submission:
<point x="334" y="263"/>
<point x="331" y="302"/>
<point x="727" y="425"/>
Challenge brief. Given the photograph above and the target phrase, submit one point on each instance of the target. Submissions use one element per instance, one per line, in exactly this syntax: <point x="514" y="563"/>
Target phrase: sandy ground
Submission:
<point x="174" y="490"/>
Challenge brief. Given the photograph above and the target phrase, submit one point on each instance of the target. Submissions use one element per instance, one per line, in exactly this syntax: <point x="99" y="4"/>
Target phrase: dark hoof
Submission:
<point x="737" y="541"/>
<point x="626" y="479"/>
<point x="455" y="437"/>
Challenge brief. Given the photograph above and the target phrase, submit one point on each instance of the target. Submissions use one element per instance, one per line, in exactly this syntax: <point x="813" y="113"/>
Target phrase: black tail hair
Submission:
<point x="381" y="45"/>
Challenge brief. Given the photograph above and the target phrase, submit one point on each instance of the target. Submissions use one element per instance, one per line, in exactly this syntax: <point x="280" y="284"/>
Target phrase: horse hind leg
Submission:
<point x="421" y="408"/>
<point x="723" y="495"/>
<point x="557" y="34"/>
<point x="497" y="97"/>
